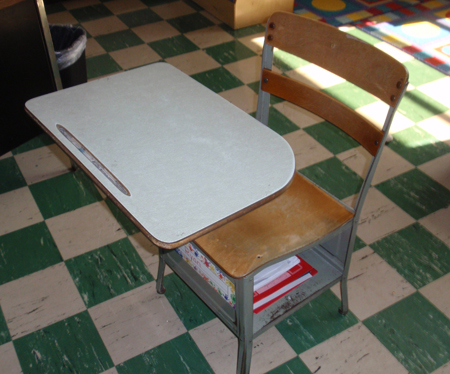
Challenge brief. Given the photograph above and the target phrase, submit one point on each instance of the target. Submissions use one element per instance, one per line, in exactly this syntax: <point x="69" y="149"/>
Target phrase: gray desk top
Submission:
<point x="177" y="157"/>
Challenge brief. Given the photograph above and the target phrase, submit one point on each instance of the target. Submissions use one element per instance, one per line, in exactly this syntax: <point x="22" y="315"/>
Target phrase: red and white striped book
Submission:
<point x="286" y="282"/>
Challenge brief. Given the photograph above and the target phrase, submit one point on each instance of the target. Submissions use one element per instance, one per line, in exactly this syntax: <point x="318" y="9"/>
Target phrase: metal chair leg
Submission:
<point x="73" y="166"/>
<point x="244" y="314"/>
<point x="344" y="297"/>
<point x="244" y="356"/>
<point x="161" y="267"/>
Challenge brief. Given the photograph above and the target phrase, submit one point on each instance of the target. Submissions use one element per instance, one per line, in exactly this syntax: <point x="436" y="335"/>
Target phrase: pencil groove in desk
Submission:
<point x="94" y="160"/>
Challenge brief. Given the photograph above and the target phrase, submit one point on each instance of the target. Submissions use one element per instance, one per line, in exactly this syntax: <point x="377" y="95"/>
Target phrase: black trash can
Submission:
<point x="69" y="43"/>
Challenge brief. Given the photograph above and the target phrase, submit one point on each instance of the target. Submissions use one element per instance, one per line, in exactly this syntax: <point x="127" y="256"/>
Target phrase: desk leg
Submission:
<point x="161" y="267"/>
<point x="73" y="166"/>
<point x="244" y="313"/>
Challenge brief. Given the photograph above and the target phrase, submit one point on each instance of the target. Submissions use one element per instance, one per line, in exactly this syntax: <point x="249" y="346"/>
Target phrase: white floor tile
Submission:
<point x="438" y="292"/>
<point x="84" y="229"/>
<point x="376" y="112"/>
<point x="438" y="126"/>
<point x="132" y="57"/>
<point x="124" y="6"/>
<point x="243" y="97"/>
<point x="110" y="371"/>
<point x="372" y="284"/>
<point x="389" y="166"/>
<point x="353" y="351"/>
<point x="438" y="90"/>
<point x="6" y="155"/>
<point x="301" y="117"/>
<point x="315" y="76"/>
<point x="9" y="361"/>
<point x="307" y="150"/>
<point x="438" y="223"/>
<point x="172" y="10"/>
<point x="209" y="37"/>
<point x="155" y="31"/>
<point x="40" y="299"/>
<point x="18" y="210"/>
<point x="43" y="163"/>
<point x="93" y="48"/>
<point x="79" y="4"/>
<point x="193" y="62"/>
<point x="135" y="322"/>
<point x="438" y="169"/>
<point x="255" y="42"/>
<point x="219" y="346"/>
<point x="104" y="26"/>
<point x="380" y="217"/>
<point x="247" y="70"/>
<point x="62" y="18"/>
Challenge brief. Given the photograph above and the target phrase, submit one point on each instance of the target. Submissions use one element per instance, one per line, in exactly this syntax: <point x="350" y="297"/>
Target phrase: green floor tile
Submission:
<point x="70" y="346"/>
<point x="331" y="137"/>
<point x="285" y="61"/>
<point x="177" y="356"/>
<point x="98" y="66"/>
<point x="26" y="251"/>
<point x="359" y="244"/>
<point x="218" y="80"/>
<point x="5" y="337"/>
<point x="350" y="95"/>
<point x="107" y="272"/>
<point x="273" y="99"/>
<point x="91" y="12"/>
<point x="245" y="31"/>
<point x="227" y="53"/>
<point x="415" y="332"/>
<point x="51" y="8"/>
<point x="417" y="106"/>
<point x="417" y="145"/>
<point x="37" y="142"/>
<point x="139" y="18"/>
<point x="279" y="123"/>
<point x="193" y="5"/>
<point x="118" y="40"/>
<point x="174" y="46"/>
<point x="294" y="366"/>
<point x="128" y="226"/>
<point x="10" y="176"/>
<point x="64" y="193"/>
<point x="190" y="22"/>
<point x="157" y="2"/>
<point x="189" y="308"/>
<point x="363" y="36"/>
<point x="315" y="322"/>
<point x="420" y="73"/>
<point x="335" y="177"/>
<point x="416" y="254"/>
<point x="416" y="193"/>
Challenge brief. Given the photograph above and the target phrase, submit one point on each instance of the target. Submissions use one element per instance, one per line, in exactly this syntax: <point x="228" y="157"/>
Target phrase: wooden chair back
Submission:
<point x="341" y="54"/>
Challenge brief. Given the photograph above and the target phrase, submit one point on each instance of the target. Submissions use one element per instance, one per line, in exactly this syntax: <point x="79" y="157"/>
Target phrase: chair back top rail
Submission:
<point x="325" y="106"/>
<point x="375" y="72"/>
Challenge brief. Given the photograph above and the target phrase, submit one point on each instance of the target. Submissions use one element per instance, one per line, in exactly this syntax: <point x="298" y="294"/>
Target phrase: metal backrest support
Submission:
<point x="341" y="54"/>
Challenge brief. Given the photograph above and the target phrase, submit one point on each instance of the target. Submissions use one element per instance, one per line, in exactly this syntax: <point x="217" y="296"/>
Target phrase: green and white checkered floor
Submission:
<point x="77" y="289"/>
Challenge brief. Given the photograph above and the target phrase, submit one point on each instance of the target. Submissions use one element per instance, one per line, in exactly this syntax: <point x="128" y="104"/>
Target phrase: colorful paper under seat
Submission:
<point x="210" y="273"/>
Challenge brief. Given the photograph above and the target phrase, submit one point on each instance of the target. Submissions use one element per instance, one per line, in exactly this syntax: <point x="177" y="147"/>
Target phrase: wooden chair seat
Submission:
<point x="297" y="218"/>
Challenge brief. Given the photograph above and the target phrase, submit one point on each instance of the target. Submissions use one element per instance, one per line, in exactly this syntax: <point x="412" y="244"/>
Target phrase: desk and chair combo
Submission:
<point x="189" y="168"/>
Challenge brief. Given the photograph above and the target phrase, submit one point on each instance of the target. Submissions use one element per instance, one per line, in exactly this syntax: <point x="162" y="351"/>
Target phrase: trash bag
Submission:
<point x="69" y="43"/>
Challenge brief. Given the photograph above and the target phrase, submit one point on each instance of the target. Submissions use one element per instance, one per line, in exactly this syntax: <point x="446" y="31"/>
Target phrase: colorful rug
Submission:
<point x="418" y="27"/>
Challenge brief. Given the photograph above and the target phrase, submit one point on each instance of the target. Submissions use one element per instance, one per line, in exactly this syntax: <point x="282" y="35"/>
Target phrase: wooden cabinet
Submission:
<point x="243" y="13"/>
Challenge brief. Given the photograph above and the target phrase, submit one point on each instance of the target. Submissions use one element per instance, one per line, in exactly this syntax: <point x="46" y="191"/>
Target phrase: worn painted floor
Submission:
<point x="77" y="289"/>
